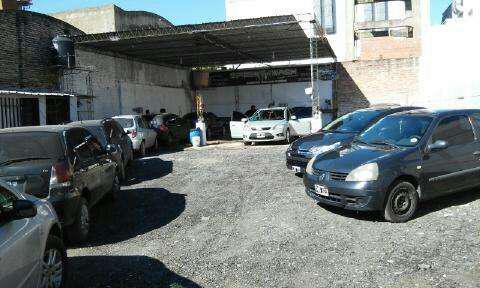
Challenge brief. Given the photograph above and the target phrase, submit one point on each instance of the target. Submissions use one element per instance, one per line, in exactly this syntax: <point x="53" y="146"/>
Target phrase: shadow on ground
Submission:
<point x="147" y="169"/>
<point x="123" y="271"/>
<point x="136" y="212"/>
<point x="431" y="206"/>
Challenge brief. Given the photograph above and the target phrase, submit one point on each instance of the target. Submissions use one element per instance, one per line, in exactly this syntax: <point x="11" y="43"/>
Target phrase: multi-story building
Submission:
<point x="461" y="9"/>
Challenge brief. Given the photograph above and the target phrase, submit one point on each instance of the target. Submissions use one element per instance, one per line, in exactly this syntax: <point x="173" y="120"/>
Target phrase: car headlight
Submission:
<point x="323" y="149"/>
<point x="309" y="169"/>
<point x="367" y="172"/>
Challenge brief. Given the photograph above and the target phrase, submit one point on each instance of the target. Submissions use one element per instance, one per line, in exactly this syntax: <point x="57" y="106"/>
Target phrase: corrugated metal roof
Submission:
<point x="260" y="40"/>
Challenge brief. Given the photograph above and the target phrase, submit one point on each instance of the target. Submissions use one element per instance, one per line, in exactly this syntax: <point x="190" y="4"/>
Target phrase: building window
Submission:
<point x="369" y="12"/>
<point x="325" y="14"/>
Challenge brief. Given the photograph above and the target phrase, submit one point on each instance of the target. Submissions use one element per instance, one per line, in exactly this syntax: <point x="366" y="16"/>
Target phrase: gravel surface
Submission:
<point x="233" y="216"/>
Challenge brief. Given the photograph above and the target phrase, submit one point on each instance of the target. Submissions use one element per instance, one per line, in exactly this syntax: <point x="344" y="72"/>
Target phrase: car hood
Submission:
<point x="346" y="159"/>
<point x="266" y="123"/>
<point x="323" y="139"/>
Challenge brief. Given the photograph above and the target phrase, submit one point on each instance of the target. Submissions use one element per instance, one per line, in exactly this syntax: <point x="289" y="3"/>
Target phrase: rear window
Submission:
<point x="30" y="145"/>
<point x="125" y="122"/>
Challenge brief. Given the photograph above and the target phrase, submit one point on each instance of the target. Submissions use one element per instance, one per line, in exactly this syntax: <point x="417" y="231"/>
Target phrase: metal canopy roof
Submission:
<point x="259" y="40"/>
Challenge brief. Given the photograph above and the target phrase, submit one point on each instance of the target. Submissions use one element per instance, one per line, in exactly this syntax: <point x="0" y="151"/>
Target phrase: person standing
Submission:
<point x="252" y="111"/>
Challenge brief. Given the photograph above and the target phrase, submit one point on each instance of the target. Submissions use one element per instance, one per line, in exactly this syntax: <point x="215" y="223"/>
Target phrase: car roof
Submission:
<point x="46" y="128"/>
<point x="438" y="112"/>
<point x="88" y="123"/>
<point x="126" y="116"/>
<point x="273" y="108"/>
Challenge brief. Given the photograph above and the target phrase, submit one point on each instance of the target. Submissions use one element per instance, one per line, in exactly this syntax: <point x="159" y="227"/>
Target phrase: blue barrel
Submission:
<point x="196" y="137"/>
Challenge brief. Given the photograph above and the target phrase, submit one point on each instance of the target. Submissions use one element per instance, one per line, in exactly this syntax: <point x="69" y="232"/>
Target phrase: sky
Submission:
<point x="180" y="11"/>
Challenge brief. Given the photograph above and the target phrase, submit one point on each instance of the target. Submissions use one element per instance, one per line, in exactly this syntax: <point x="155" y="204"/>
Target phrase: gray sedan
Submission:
<point x="32" y="253"/>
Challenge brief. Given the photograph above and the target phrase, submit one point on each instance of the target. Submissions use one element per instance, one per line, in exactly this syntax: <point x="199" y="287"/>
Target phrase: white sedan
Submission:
<point x="269" y="125"/>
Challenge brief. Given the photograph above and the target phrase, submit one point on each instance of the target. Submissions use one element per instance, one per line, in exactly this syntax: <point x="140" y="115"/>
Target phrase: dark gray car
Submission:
<point x="403" y="159"/>
<point x="63" y="164"/>
<point x="339" y="133"/>
<point x="109" y="132"/>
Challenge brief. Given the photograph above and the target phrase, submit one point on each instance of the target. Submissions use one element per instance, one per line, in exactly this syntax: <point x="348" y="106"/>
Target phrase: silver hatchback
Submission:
<point x="32" y="253"/>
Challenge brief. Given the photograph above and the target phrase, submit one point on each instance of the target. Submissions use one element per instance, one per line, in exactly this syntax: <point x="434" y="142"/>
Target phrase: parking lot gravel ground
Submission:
<point x="233" y="216"/>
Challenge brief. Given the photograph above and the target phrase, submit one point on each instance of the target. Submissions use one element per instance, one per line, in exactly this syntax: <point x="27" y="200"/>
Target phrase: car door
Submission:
<point x="237" y="125"/>
<point x="447" y="170"/>
<point x="122" y="138"/>
<point x="103" y="168"/>
<point x="20" y="251"/>
<point x="302" y="125"/>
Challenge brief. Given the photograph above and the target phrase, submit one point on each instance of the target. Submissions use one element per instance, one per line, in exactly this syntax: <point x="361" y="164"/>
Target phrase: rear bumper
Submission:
<point x="359" y="196"/>
<point x="66" y="206"/>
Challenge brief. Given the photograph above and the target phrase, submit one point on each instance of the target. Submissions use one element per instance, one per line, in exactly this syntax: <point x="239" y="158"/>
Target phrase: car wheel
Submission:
<point x="115" y="188"/>
<point x="402" y="203"/>
<point x="143" y="149"/>
<point x="156" y="147"/>
<point x="247" y="143"/>
<point x="54" y="264"/>
<point x="78" y="232"/>
<point x="288" y="136"/>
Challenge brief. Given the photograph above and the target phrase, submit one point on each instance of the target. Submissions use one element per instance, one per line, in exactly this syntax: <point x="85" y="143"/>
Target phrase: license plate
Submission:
<point x="261" y="135"/>
<point x="296" y="169"/>
<point x="322" y="190"/>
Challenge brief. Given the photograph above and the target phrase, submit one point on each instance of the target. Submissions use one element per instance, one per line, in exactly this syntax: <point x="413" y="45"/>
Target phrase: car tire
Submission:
<point x="401" y="203"/>
<point x="122" y="173"/>
<point x="113" y="194"/>
<point x="54" y="264"/>
<point x="78" y="231"/>
<point x="143" y="149"/>
<point x="246" y="143"/>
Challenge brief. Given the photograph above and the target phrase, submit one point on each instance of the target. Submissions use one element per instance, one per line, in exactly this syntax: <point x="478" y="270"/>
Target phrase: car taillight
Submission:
<point x="163" y="128"/>
<point x="134" y="133"/>
<point x="61" y="173"/>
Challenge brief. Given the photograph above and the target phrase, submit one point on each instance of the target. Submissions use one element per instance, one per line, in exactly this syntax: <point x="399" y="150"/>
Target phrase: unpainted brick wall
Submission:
<point x="361" y="84"/>
<point x="389" y="48"/>
<point x="27" y="58"/>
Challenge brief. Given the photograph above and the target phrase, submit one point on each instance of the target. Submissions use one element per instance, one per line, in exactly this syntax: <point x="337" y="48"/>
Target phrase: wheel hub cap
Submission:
<point x="52" y="273"/>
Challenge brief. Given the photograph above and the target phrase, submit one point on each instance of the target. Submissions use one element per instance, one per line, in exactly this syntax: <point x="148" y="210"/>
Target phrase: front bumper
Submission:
<point x="270" y="136"/>
<point x="295" y="160"/>
<point x="359" y="196"/>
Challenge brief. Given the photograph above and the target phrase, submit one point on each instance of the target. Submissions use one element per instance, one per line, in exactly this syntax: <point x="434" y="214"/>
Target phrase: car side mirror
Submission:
<point x="23" y="209"/>
<point x="293" y="117"/>
<point x="438" y="145"/>
<point x="244" y="120"/>
<point x="111" y="149"/>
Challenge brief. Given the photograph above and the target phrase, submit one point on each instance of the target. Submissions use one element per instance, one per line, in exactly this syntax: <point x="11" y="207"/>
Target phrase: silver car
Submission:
<point x="32" y="253"/>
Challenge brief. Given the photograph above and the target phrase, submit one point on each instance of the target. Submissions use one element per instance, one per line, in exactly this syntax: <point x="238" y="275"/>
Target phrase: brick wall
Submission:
<point x="361" y="84"/>
<point x="388" y="48"/>
<point x="27" y="58"/>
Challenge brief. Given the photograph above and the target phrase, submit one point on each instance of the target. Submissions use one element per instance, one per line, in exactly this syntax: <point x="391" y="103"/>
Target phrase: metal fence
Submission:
<point x="10" y="112"/>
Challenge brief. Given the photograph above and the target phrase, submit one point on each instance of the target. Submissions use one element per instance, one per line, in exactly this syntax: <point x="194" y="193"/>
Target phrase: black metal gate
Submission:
<point x="15" y="112"/>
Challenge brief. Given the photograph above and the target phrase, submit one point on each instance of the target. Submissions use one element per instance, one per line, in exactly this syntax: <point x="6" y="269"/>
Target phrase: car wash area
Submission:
<point x="236" y="66"/>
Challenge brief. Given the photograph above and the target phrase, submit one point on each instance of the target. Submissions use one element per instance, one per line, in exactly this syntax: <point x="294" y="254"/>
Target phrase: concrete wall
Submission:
<point x="449" y="64"/>
<point x="361" y="84"/>
<point x="109" y="18"/>
<point x="27" y="58"/>
<point x="221" y="101"/>
<point x="120" y="85"/>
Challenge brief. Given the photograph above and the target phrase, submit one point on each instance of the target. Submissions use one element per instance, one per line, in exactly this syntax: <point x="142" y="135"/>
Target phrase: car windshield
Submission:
<point x="354" y="122"/>
<point x="125" y="122"/>
<point x="397" y="130"/>
<point x="30" y="145"/>
<point x="271" y="114"/>
<point x="302" y="112"/>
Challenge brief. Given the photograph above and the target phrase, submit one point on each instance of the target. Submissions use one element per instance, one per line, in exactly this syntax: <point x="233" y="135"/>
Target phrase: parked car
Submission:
<point x="216" y="126"/>
<point x="339" y="133"/>
<point x="141" y="134"/>
<point x="65" y="165"/>
<point x="273" y="124"/>
<point x="109" y="132"/>
<point x="32" y="253"/>
<point x="171" y="129"/>
<point x="403" y="159"/>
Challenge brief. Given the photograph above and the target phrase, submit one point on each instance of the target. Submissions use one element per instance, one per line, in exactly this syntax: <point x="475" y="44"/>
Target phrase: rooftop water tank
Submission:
<point x="65" y="48"/>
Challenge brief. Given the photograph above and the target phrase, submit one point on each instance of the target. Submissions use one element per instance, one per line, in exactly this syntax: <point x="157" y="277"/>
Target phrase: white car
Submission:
<point x="142" y="135"/>
<point x="32" y="253"/>
<point x="272" y="124"/>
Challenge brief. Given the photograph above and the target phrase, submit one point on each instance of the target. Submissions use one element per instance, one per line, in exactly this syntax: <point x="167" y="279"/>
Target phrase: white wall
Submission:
<point x="119" y="85"/>
<point x="221" y="101"/>
<point x="449" y="65"/>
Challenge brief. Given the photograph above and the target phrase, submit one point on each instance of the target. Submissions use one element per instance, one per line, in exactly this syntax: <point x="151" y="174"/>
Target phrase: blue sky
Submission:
<point x="179" y="11"/>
